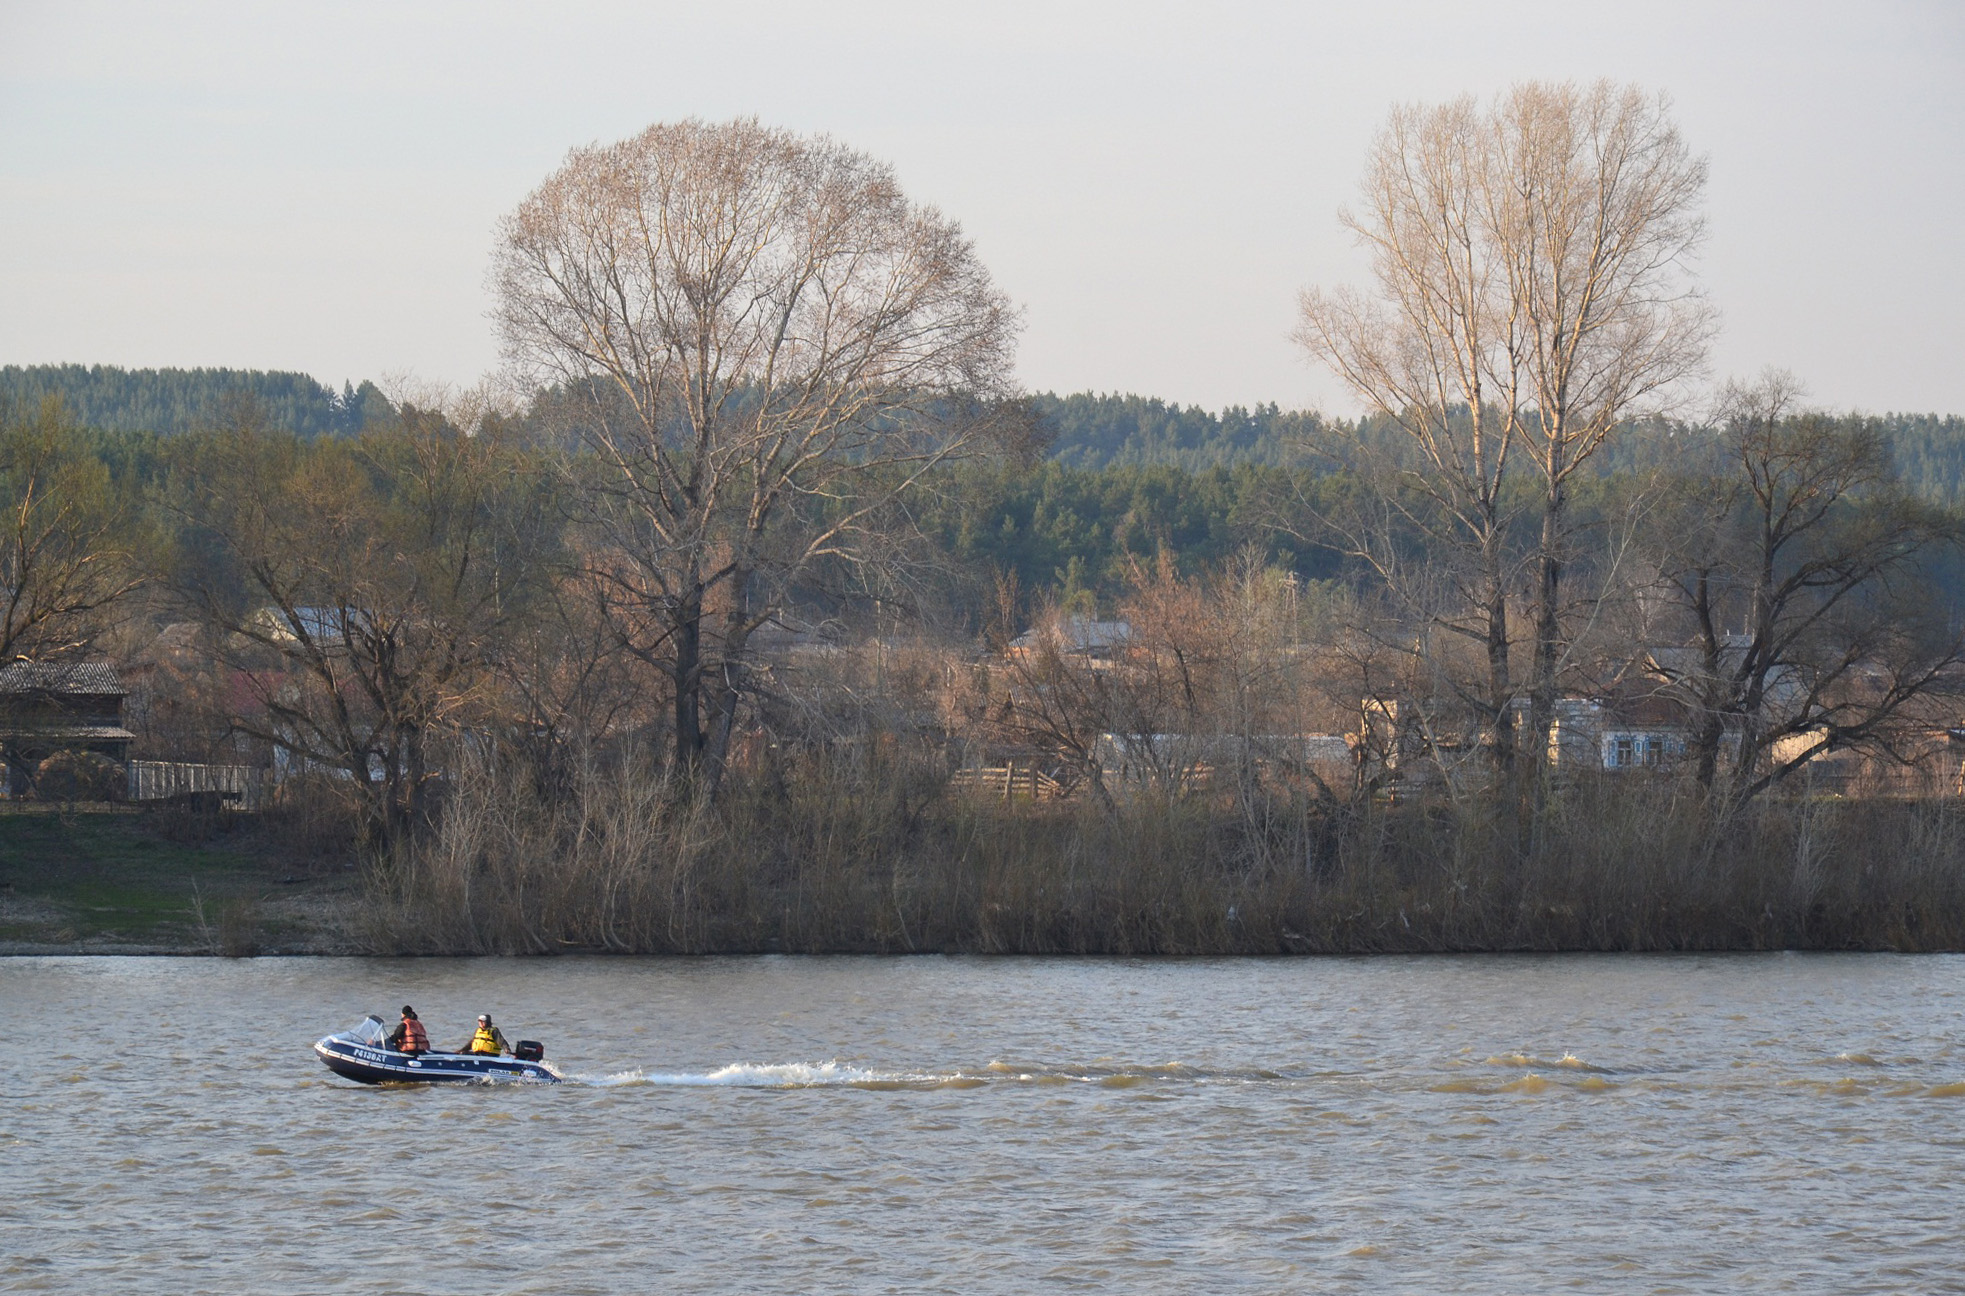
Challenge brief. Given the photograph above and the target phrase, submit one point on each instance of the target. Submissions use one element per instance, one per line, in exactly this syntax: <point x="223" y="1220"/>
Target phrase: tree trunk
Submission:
<point x="1548" y="627"/>
<point x="1711" y="732"/>
<point x="689" y="680"/>
<point x="415" y="770"/>
<point x="1500" y="683"/>
<point x="727" y="691"/>
<point x="727" y="695"/>
<point x="374" y="799"/>
<point x="1710" y="689"/>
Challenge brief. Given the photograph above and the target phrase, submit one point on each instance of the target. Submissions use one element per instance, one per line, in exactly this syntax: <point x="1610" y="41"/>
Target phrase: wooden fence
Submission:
<point x="240" y="787"/>
<point x="1007" y="782"/>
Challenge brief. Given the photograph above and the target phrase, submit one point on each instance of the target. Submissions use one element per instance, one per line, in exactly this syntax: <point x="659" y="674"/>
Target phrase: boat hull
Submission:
<point x="370" y="1065"/>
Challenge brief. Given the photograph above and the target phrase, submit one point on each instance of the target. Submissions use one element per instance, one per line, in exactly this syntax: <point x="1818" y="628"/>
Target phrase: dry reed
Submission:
<point x="828" y="855"/>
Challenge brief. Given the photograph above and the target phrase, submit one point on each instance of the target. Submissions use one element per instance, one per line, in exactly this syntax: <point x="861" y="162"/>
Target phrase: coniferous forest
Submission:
<point x="1113" y="482"/>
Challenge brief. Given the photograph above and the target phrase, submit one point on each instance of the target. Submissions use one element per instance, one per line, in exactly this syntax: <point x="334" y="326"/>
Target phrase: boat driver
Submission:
<point x="410" y="1037"/>
<point x="489" y="1039"/>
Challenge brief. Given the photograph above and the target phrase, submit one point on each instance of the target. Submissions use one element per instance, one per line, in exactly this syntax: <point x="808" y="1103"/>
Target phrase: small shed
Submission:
<point x="49" y="707"/>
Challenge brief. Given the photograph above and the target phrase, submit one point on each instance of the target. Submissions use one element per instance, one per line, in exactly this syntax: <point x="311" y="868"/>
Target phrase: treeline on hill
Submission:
<point x="1083" y="430"/>
<point x="170" y="401"/>
<point x="1119" y="477"/>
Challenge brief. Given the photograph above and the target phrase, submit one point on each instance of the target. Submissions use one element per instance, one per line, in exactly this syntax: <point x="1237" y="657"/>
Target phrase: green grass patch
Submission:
<point x="110" y="876"/>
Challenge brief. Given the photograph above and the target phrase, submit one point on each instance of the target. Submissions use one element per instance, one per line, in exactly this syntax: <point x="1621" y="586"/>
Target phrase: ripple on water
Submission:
<point x="1856" y="1059"/>
<point x="1567" y="1062"/>
<point x="975" y="1125"/>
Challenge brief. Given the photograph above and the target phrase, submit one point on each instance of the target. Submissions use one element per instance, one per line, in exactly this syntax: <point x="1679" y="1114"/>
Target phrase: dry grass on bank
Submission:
<point x="825" y="858"/>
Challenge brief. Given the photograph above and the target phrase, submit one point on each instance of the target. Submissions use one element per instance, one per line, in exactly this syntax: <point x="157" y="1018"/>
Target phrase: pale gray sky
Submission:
<point x="314" y="186"/>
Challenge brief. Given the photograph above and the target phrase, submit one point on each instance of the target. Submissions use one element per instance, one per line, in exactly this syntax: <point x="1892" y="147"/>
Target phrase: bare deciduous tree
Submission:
<point x="1592" y="196"/>
<point x="1425" y="353"/>
<point x="1203" y="682"/>
<point x="765" y="344"/>
<point x="379" y="578"/>
<point x="1795" y="561"/>
<point x="1531" y="293"/>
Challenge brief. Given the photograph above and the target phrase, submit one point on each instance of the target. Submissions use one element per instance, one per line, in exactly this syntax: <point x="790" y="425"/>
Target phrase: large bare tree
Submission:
<point x="1424" y="352"/>
<point x="765" y="345"/>
<point x="1532" y="293"/>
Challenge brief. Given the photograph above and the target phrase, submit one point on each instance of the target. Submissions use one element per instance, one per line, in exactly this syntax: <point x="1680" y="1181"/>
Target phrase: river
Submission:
<point x="1477" y="1124"/>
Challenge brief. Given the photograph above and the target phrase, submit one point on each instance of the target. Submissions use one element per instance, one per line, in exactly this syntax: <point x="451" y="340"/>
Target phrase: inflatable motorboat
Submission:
<point x="363" y="1053"/>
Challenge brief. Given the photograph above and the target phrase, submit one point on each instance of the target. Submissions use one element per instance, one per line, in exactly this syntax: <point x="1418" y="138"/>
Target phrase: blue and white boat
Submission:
<point x="362" y="1053"/>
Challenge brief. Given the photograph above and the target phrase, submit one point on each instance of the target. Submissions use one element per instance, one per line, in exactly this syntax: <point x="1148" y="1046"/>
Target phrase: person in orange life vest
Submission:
<point x="410" y="1037"/>
<point x="489" y="1040"/>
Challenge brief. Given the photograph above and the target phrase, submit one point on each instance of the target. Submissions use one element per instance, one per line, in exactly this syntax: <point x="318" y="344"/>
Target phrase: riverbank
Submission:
<point x="811" y="869"/>
<point x="830" y="857"/>
<point x="107" y="879"/>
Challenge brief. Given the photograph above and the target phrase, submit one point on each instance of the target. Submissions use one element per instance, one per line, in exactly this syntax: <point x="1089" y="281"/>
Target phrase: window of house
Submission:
<point x="1623" y="752"/>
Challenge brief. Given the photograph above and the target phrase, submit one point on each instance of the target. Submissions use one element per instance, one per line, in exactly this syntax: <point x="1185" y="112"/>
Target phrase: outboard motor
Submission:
<point x="529" y="1051"/>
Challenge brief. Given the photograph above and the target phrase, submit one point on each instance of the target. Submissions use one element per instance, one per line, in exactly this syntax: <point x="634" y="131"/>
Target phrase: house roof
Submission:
<point x="1646" y="709"/>
<point x="96" y="678"/>
<point x="1080" y="634"/>
<point x="321" y="624"/>
<point x="1684" y="662"/>
<point x="70" y="733"/>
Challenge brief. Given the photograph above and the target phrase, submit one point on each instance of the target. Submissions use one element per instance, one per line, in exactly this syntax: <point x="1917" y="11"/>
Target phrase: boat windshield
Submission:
<point x="371" y="1031"/>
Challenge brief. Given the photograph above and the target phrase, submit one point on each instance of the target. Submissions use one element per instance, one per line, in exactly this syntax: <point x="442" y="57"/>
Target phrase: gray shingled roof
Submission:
<point x="83" y="678"/>
<point x="1080" y="634"/>
<point x="68" y="733"/>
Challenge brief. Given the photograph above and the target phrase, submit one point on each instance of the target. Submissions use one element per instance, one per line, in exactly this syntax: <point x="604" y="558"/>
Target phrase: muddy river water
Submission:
<point x="1484" y="1124"/>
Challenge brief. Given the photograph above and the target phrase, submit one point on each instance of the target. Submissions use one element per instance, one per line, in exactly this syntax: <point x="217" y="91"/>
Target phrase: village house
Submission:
<point x="1623" y="731"/>
<point x="1098" y="643"/>
<point x="325" y="626"/>
<point x="1620" y="733"/>
<point x="1180" y="761"/>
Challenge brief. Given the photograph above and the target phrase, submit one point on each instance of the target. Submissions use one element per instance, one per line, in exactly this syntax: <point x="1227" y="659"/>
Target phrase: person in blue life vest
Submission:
<point x="410" y="1037"/>
<point x="489" y="1040"/>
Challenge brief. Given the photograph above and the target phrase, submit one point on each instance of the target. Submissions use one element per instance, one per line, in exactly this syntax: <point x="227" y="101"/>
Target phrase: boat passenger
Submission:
<point x="410" y="1037"/>
<point x="489" y="1039"/>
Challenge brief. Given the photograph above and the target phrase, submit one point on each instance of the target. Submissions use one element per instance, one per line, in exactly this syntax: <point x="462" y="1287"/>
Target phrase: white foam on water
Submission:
<point x="836" y="1074"/>
<point x="1857" y="1059"/>
<point x="1528" y="1061"/>
<point x="765" y="1075"/>
<point x="804" y="1074"/>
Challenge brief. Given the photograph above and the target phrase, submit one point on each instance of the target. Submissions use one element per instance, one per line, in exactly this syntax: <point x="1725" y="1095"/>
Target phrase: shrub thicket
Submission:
<point x="833" y="855"/>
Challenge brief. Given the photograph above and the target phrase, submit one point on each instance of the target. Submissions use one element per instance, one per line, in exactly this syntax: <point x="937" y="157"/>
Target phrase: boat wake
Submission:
<point x="836" y="1075"/>
<point x="773" y="1075"/>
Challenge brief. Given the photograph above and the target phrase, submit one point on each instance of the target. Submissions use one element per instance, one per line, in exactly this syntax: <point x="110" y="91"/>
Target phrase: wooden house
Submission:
<point x="49" y="707"/>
